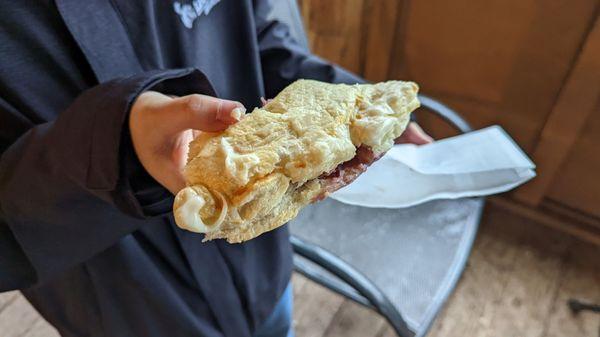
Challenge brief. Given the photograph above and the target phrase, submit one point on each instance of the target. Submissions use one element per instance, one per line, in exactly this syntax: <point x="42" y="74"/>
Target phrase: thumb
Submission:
<point x="204" y="113"/>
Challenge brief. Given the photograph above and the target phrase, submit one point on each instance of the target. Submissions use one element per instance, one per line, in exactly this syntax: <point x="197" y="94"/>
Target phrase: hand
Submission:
<point x="162" y="127"/>
<point x="414" y="135"/>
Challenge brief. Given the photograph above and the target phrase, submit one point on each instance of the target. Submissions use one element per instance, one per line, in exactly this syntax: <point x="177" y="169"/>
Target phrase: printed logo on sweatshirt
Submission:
<point x="190" y="12"/>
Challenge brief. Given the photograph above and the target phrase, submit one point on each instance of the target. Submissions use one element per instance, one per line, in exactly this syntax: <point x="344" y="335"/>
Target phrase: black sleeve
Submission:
<point x="284" y="60"/>
<point x="72" y="187"/>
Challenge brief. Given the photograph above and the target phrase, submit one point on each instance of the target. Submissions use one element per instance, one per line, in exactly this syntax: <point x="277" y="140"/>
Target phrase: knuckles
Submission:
<point x="194" y="103"/>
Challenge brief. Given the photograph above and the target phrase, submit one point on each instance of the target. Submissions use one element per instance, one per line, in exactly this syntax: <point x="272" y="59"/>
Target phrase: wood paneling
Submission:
<point x="380" y="18"/>
<point x="334" y="29"/>
<point x="530" y="66"/>
<point x="576" y="102"/>
<point x="498" y="62"/>
<point x="577" y="182"/>
<point x="458" y="48"/>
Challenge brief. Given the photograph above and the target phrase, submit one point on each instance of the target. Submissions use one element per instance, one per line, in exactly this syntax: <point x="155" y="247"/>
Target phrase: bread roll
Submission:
<point x="257" y="174"/>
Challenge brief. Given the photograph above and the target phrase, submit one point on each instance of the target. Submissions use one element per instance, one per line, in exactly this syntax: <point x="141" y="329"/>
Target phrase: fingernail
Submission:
<point x="237" y="113"/>
<point x="265" y="101"/>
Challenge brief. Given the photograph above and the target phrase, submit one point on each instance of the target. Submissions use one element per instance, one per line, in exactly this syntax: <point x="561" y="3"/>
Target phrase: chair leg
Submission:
<point x="338" y="286"/>
<point x="355" y="279"/>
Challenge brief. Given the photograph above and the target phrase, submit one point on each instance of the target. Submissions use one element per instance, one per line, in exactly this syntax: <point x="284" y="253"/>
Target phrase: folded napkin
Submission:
<point x="478" y="163"/>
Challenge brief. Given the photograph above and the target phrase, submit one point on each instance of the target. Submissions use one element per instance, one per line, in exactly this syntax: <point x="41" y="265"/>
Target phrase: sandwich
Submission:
<point x="312" y="139"/>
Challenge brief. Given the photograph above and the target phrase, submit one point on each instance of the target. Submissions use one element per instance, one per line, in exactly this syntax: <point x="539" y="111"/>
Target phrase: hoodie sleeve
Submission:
<point x="72" y="187"/>
<point x="284" y="59"/>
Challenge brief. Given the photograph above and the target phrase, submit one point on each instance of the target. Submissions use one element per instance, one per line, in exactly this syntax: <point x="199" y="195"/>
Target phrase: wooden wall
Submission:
<point x="531" y="66"/>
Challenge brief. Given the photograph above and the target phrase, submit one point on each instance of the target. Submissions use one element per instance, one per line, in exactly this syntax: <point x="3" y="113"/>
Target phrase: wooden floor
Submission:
<point x="517" y="282"/>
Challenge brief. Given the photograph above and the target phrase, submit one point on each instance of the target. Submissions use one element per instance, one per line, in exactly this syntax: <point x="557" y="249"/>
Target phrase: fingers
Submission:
<point x="419" y="136"/>
<point x="162" y="127"/>
<point x="200" y="112"/>
<point x="414" y="134"/>
<point x="265" y="101"/>
<point x="210" y="114"/>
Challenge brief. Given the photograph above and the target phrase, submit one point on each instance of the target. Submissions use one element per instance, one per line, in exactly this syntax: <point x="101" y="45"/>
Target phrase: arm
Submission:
<point x="284" y="60"/>
<point x="72" y="187"/>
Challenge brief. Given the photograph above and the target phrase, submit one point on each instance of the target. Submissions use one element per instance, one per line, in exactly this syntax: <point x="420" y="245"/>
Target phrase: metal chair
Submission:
<point x="402" y="263"/>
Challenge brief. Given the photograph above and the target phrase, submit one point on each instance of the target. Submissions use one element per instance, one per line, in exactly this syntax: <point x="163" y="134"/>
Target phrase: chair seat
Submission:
<point x="414" y="255"/>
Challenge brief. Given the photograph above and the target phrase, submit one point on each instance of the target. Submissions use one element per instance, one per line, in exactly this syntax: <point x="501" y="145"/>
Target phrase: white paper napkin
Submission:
<point x="479" y="163"/>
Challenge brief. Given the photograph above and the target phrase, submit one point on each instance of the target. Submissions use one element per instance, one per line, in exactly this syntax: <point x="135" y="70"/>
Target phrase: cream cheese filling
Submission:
<point x="188" y="211"/>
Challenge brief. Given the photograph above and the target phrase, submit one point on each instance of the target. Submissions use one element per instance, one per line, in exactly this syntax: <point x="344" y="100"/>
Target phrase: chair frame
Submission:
<point x="356" y="286"/>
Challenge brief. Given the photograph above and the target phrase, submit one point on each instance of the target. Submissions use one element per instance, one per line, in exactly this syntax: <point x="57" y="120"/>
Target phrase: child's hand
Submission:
<point x="162" y="127"/>
<point x="414" y="135"/>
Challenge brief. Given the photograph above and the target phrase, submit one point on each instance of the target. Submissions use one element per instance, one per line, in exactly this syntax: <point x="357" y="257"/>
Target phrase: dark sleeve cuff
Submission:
<point x="148" y="197"/>
<point x="95" y="126"/>
<point x="64" y="193"/>
<point x="15" y="269"/>
<point x="145" y="196"/>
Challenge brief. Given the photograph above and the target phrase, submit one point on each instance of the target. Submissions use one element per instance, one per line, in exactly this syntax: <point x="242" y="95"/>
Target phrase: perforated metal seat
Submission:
<point x="404" y="263"/>
<point x="413" y="256"/>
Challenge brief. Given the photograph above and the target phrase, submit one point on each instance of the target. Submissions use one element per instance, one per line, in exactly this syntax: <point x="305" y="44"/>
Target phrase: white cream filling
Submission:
<point x="378" y="123"/>
<point x="189" y="212"/>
